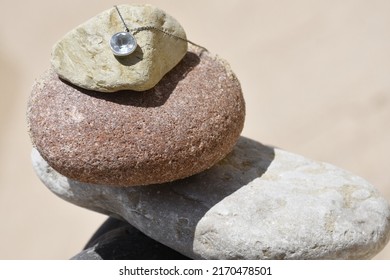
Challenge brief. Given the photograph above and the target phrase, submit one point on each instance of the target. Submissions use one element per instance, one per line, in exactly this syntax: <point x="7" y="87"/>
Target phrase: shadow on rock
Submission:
<point x="170" y="212"/>
<point x="118" y="240"/>
<point x="154" y="97"/>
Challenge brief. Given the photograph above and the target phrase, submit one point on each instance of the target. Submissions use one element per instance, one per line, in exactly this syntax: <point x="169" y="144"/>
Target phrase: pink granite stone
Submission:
<point x="188" y="122"/>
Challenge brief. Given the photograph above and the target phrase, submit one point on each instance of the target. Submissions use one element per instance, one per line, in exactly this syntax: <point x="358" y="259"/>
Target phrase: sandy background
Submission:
<point x="315" y="75"/>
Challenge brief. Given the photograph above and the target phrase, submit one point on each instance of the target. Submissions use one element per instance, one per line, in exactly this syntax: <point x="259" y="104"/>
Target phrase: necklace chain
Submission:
<point x="150" y="27"/>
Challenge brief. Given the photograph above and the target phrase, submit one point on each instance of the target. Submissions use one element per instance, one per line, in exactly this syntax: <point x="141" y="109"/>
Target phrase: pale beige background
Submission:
<point x="315" y="74"/>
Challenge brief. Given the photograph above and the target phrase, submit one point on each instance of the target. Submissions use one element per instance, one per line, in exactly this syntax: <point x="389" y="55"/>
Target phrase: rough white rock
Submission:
<point x="258" y="203"/>
<point x="84" y="57"/>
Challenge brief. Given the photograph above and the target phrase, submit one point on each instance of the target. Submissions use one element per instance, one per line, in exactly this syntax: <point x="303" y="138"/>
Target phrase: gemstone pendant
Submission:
<point x="123" y="43"/>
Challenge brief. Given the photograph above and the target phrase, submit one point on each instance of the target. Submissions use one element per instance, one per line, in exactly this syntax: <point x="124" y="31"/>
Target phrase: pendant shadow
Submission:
<point x="132" y="59"/>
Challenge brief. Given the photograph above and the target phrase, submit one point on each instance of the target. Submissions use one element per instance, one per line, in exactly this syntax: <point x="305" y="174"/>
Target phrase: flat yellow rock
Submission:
<point x="84" y="56"/>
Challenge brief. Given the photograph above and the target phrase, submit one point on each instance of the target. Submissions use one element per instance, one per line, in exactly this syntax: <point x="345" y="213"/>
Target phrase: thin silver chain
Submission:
<point x="149" y="27"/>
<point x="120" y="15"/>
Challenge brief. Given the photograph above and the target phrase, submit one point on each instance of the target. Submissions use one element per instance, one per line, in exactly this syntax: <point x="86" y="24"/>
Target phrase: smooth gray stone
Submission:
<point x="258" y="203"/>
<point x="118" y="240"/>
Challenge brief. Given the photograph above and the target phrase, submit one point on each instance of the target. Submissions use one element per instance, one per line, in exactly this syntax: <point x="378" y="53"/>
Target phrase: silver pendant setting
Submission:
<point x="123" y="43"/>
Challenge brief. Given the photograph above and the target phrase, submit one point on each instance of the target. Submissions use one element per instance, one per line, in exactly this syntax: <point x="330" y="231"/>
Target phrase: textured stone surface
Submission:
<point x="258" y="203"/>
<point x="184" y="125"/>
<point x="118" y="240"/>
<point x="84" y="58"/>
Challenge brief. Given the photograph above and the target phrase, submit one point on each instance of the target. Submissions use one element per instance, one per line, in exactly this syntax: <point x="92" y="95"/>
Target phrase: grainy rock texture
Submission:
<point x="257" y="203"/>
<point x="84" y="58"/>
<point x="184" y="125"/>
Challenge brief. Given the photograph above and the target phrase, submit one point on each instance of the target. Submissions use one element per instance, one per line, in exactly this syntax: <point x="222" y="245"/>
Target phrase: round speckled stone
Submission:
<point x="188" y="122"/>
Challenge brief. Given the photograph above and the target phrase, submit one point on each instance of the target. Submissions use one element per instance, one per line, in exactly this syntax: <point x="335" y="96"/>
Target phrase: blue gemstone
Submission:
<point x="123" y="43"/>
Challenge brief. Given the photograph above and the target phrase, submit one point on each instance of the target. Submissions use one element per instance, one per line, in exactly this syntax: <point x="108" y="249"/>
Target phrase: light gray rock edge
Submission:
<point x="258" y="203"/>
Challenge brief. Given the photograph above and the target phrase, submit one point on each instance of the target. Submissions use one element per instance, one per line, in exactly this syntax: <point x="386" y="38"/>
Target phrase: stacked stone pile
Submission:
<point x="153" y="138"/>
